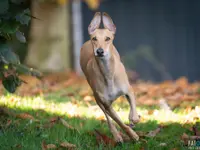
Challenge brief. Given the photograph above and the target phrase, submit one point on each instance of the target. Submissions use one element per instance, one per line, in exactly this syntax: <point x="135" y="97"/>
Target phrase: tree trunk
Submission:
<point x="49" y="45"/>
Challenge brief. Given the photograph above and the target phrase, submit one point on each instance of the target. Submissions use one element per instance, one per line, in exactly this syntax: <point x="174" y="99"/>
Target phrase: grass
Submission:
<point x="26" y="134"/>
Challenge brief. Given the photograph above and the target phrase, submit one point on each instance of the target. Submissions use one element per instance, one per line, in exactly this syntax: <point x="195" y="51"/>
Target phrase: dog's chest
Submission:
<point x="110" y="92"/>
<point x="107" y="86"/>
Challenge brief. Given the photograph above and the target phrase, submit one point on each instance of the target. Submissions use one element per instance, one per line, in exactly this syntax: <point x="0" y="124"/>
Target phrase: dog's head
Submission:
<point x="101" y="39"/>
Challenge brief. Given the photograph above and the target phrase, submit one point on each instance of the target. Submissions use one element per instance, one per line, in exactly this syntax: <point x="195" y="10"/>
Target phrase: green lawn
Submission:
<point x="29" y="134"/>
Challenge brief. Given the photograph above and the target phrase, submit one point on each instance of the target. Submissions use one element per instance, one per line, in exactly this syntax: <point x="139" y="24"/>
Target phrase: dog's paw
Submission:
<point x="118" y="139"/>
<point x="134" y="120"/>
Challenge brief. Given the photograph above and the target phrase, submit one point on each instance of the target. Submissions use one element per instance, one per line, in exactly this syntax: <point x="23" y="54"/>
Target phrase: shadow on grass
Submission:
<point x="28" y="135"/>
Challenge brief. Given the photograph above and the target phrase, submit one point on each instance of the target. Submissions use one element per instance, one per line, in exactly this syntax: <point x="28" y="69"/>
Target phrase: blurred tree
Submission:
<point x="50" y="45"/>
<point x="13" y="15"/>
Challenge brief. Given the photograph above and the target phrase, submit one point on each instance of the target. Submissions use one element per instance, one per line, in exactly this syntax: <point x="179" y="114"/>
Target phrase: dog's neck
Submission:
<point x="107" y="68"/>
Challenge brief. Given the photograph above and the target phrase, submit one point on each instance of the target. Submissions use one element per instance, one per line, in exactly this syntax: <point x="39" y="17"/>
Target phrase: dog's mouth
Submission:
<point x="100" y="55"/>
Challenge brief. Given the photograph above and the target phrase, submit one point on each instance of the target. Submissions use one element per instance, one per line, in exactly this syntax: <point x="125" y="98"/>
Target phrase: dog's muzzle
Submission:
<point x="100" y="52"/>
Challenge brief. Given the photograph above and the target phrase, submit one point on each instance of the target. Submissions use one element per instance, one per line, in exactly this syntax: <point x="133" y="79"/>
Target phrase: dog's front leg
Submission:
<point x="133" y="115"/>
<point x="118" y="138"/>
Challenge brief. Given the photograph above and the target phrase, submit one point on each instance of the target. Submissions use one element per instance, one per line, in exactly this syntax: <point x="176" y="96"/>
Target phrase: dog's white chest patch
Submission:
<point x="111" y="93"/>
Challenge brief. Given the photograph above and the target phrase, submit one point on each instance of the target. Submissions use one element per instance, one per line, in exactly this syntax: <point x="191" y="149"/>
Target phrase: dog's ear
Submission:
<point x="108" y="23"/>
<point x="95" y="23"/>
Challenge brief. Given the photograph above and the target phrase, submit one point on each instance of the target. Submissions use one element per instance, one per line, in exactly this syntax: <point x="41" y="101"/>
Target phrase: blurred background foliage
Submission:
<point x="15" y="17"/>
<point x="158" y="42"/>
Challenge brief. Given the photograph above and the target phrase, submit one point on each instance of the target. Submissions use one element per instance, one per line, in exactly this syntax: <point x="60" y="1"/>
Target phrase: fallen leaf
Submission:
<point x="25" y="116"/>
<point x="153" y="133"/>
<point x="88" y="98"/>
<point x="54" y="119"/>
<point x="44" y="146"/>
<point x="18" y="146"/>
<point x="150" y="112"/>
<point x="67" y="125"/>
<point x="182" y="82"/>
<point x="103" y="139"/>
<point x="51" y="146"/>
<point x="68" y="95"/>
<point x="81" y="124"/>
<point x="8" y="123"/>
<point x="67" y="145"/>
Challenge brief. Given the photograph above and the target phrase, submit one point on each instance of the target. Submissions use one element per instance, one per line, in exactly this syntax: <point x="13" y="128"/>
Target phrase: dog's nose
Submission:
<point x="100" y="52"/>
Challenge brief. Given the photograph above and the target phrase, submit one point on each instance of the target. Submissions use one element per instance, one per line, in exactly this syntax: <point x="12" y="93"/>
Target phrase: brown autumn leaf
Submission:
<point x="18" y="146"/>
<point x="25" y="116"/>
<point x="85" y="92"/>
<point x="44" y="145"/>
<point x="51" y="146"/>
<point x="8" y="123"/>
<point x="150" y="112"/>
<point x="103" y="139"/>
<point x="67" y="145"/>
<point x="53" y="119"/>
<point x="81" y="125"/>
<point x="88" y="98"/>
<point x="188" y="109"/>
<point x="51" y="122"/>
<point x="68" y="125"/>
<point x="68" y="94"/>
<point x="182" y="82"/>
<point x="100" y="117"/>
<point x="153" y="133"/>
<point x="70" y="81"/>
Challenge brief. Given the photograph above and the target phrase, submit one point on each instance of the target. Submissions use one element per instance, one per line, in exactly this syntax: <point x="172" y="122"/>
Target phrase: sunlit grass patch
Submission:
<point x="76" y="107"/>
<point x="86" y="116"/>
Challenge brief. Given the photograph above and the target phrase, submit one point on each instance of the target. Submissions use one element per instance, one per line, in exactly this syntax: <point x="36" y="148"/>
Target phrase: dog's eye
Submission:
<point x="94" y="39"/>
<point x="107" y="39"/>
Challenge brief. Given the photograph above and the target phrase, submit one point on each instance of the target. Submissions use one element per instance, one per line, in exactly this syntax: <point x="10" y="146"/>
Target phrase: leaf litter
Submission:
<point x="167" y="95"/>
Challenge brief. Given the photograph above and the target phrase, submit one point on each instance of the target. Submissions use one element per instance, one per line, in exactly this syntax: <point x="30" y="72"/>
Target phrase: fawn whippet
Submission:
<point x="106" y="74"/>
